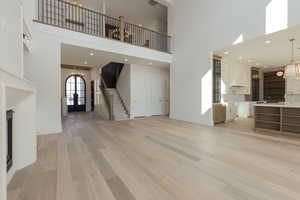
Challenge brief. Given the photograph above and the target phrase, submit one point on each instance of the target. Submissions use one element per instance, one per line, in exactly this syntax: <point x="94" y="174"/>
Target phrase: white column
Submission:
<point x="103" y="11"/>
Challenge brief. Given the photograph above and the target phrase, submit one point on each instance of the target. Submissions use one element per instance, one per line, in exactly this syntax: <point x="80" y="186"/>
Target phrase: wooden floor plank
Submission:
<point x="158" y="158"/>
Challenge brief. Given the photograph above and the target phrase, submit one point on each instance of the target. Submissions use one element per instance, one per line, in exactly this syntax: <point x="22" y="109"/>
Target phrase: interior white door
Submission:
<point x="157" y="93"/>
<point x="140" y="94"/>
<point x="150" y="88"/>
<point x="167" y="94"/>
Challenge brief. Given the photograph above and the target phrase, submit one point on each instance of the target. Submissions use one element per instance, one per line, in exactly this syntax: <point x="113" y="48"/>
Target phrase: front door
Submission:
<point x="76" y="93"/>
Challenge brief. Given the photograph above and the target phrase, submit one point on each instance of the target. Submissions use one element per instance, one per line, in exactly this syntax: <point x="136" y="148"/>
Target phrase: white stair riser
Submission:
<point x="119" y="110"/>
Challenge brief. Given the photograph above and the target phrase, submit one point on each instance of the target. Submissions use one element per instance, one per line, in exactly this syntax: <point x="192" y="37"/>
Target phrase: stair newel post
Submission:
<point x="122" y="28"/>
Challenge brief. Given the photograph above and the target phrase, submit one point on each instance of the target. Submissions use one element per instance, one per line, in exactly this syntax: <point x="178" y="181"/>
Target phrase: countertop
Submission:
<point x="280" y="105"/>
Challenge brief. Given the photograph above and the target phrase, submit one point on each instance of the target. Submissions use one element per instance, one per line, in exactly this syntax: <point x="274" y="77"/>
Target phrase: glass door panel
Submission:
<point x="76" y="93"/>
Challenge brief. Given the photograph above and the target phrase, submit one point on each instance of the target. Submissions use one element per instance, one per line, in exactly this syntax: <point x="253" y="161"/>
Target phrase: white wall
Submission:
<point x="19" y="95"/>
<point x="24" y="129"/>
<point x="124" y="86"/>
<point x="11" y="47"/>
<point x="15" y="93"/>
<point x="42" y="66"/>
<point x="201" y="27"/>
<point x="102" y="44"/>
<point x="65" y="73"/>
<point x="29" y="10"/>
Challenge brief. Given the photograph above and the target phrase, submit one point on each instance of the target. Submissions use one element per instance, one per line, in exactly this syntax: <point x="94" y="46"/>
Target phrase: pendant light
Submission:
<point x="280" y="73"/>
<point x="292" y="70"/>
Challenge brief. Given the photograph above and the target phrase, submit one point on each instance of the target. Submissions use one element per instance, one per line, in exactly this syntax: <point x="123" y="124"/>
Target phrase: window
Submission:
<point x="217" y="80"/>
<point x="75" y="93"/>
<point x="80" y="90"/>
<point x="255" y="84"/>
<point x="70" y="90"/>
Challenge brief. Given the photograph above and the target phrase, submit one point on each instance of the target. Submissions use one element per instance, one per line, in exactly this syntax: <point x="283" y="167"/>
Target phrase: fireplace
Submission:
<point x="9" y="118"/>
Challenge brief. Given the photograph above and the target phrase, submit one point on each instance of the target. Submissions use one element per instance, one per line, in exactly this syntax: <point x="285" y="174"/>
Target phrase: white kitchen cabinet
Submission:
<point x="243" y="109"/>
<point x="236" y="77"/>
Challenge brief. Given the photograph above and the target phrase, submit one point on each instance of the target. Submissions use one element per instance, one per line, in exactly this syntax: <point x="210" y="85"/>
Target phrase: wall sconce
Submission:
<point x="26" y="38"/>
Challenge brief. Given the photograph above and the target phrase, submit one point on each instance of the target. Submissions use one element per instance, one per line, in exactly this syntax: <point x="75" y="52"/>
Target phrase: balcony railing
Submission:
<point x="76" y="18"/>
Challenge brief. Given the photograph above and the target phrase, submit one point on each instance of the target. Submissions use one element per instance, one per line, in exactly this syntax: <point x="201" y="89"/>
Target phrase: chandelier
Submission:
<point x="292" y="70"/>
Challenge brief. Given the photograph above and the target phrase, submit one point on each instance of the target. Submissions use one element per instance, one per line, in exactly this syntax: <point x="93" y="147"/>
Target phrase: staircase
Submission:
<point x="111" y="72"/>
<point x="119" y="111"/>
<point x="109" y="77"/>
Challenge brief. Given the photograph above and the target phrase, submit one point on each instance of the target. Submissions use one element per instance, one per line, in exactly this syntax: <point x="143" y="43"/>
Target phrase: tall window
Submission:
<point x="217" y="80"/>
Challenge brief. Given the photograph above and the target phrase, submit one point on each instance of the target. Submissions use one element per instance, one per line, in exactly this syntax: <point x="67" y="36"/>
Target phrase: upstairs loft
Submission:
<point x="74" y="17"/>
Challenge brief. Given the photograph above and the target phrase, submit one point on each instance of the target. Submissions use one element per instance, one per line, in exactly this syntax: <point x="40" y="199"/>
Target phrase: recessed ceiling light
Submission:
<point x="268" y="42"/>
<point x="126" y="59"/>
<point x="85" y="62"/>
<point x="91" y="54"/>
<point x="226" y="52"/>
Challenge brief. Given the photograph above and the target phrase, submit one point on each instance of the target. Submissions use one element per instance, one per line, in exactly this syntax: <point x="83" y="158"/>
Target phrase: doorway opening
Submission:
<point x="254" y="87"/>
<point x="76" y="93"/>
<point x="92" y="96"/>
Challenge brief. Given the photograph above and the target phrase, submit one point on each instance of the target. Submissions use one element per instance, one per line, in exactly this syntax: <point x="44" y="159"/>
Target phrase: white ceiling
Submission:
<point x="257" y="52"/>
<point x="77" y="56"/>
<point x="134" y="11"/>
<point x="166" y="2"/>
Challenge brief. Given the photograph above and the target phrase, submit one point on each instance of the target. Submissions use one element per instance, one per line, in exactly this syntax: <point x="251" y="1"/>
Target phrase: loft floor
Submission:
<point x="158" y="159"/>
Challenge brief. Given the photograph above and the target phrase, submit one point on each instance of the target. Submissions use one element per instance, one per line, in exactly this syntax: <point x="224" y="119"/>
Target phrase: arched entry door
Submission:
<point x="76" y="93"/>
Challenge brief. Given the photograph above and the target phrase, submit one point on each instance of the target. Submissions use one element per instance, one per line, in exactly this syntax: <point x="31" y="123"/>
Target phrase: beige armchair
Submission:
<point x="219" y="113"/>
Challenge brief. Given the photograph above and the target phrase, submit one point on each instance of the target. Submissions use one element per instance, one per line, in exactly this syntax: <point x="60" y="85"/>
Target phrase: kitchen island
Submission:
<point x="281" y="117"/>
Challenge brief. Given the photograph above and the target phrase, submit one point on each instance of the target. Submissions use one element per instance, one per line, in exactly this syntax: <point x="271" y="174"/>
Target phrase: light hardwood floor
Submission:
<point x="158" y="159"/>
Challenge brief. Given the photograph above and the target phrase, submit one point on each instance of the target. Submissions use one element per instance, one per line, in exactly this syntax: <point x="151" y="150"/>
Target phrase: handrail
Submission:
<point x="91" y="10"/>
<point x="123" y="103"/>
<point x="97" y="12"/>
<point x="70" y="16"/>
<point x="103" y="81"/>
<point x="148" y="29"/>
<point x="109" y="99"/>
